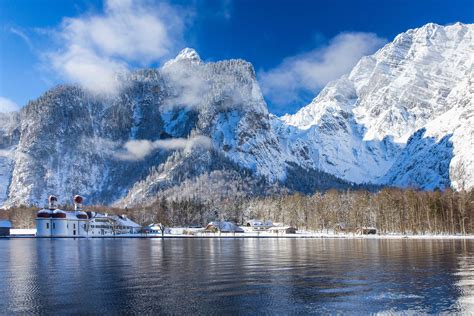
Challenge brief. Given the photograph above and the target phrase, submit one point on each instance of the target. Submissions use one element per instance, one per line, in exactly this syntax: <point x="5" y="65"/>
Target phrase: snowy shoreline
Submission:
<point x="30" y="233"/>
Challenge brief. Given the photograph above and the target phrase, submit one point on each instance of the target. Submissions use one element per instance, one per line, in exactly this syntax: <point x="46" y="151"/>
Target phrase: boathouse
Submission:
<point x="5" y="226"/>
<point x="367" y="231"/>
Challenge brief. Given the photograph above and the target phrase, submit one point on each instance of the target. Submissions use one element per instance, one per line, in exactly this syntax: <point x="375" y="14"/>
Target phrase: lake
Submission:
<point x="244" y="276"/>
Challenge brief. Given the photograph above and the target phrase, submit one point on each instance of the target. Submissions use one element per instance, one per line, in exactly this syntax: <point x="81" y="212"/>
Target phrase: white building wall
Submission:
<point x="43" y="227"/>
<point x="83" y="227"/>
<point x="73" y="227"/>
<point x="59" y="227"/>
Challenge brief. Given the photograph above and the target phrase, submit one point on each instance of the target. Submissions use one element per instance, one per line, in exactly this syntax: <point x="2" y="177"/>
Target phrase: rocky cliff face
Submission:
<point x="9" y="136"/>
<point x="358" y="125"/>
<point x="196" y="117"/>
<point x="440" y="155"/>
<point x="402" y="116"/>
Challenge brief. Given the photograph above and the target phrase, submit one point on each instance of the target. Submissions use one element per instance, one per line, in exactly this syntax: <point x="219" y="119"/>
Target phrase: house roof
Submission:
<point x="281" y="228"/>
<point x="256" y="222"/>
<point x="125" y="221"/>
<point x="5" y="223"/>
<point x="225" y="226"/>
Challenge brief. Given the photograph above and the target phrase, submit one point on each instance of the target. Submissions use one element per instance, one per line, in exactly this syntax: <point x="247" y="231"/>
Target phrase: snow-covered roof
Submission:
<point x="224" y="226"/>
<point x="121" y="220"/>
<point x="281" y="228"/>
<point x="45" y="210"/>
<point x="154" y="226"/>
<point x="5" y="223"/>
<point x="257" y="223"/>
<point x="125" y="221"/>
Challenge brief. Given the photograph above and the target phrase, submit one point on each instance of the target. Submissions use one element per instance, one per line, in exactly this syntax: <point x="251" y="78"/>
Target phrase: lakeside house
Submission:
<point x="223" y="227"/>
<point x="5" y="227"/>
<point x="283" y="230"/>
<point x="259" y="224"/>
<point x="159" y="228"/>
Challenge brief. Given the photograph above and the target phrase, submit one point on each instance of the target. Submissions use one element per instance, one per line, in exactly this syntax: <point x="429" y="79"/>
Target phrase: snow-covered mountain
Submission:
<point x="168" y="125"/>
<point x="441" y="154"/>
<point x="9" y="136"/>
<point x="403" y="116"/>
<point x="358" y="127"/>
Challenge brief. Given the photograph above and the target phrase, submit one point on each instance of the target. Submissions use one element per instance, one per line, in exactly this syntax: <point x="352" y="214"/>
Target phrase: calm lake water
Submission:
<point x="245" y="276"/>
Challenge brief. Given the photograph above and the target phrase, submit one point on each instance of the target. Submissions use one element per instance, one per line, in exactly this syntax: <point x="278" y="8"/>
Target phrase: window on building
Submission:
<point x="47" y="225"/>
<point x="54" y="225"/>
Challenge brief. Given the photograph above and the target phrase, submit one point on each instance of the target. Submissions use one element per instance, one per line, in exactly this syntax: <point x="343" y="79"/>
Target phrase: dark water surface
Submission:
<point x="245" y="276"/>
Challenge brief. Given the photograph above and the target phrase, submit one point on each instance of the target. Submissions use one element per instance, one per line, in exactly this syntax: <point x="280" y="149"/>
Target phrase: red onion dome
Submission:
<point x="44" y="214"/>
<point x="82" y="215"/>
<point x="59" y="214"/>
<point x="78" y="199"/>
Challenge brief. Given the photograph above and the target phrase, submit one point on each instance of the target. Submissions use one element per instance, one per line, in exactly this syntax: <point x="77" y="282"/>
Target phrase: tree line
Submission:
<point x="390" y="210"/>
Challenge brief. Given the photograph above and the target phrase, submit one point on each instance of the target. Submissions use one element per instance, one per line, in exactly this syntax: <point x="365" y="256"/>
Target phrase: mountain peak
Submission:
<point x="187" y="55"/>
<point x="419" y="80"/>
<point x="432" y="30"/>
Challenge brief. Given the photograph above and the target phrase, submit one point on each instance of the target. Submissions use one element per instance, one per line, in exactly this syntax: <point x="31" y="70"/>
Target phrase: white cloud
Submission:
<point x="309" y="72"/>
<point x="23" y="36"/>
<point x="139" y="149"/>
<point x="191" y="87"/>
<point x="7" y="105"/>
<point x="95" y="50"/>
<point x="197" y="86"/>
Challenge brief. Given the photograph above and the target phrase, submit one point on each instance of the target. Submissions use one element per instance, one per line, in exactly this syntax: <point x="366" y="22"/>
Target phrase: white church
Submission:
<point x="54" y="222"/>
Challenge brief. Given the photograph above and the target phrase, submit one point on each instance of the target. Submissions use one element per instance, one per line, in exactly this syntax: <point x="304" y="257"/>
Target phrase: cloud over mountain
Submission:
<point x="95" y="48"/>
<point x="310" y="71"/>
<point x="139" y="149"/>
<point x="7" y="105"/>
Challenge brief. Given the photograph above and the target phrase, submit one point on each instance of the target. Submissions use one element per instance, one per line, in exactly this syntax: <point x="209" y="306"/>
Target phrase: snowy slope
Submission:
<point x="221" y="101"/>
<point x="442" y="153"/>
<point x="230" y="110"/>
<point x="9" y="135"/>
<point x="70" y="141"/>
<point x="359" y="123"/>
<point x="333" y="138"/>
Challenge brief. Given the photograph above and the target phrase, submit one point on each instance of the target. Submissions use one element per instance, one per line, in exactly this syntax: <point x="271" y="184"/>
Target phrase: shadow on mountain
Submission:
<point x="423" y="163"/>
<point x="309" y="181"/>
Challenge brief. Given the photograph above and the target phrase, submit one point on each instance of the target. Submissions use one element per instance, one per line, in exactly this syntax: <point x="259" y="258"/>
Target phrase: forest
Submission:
<point x="390" y="210"/>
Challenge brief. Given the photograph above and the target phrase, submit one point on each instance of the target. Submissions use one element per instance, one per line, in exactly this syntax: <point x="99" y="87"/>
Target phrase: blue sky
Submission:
<point x="295" y="46"/>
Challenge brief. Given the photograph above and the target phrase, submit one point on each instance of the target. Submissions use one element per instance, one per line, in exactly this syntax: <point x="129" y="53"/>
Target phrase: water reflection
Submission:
<point x="243" y="276"/>
<point x="465" y="274"/>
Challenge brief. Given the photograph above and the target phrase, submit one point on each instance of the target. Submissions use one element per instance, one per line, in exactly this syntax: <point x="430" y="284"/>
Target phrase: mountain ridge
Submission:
<point x="387" y="97"/>
<point x="379" y="124"/>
